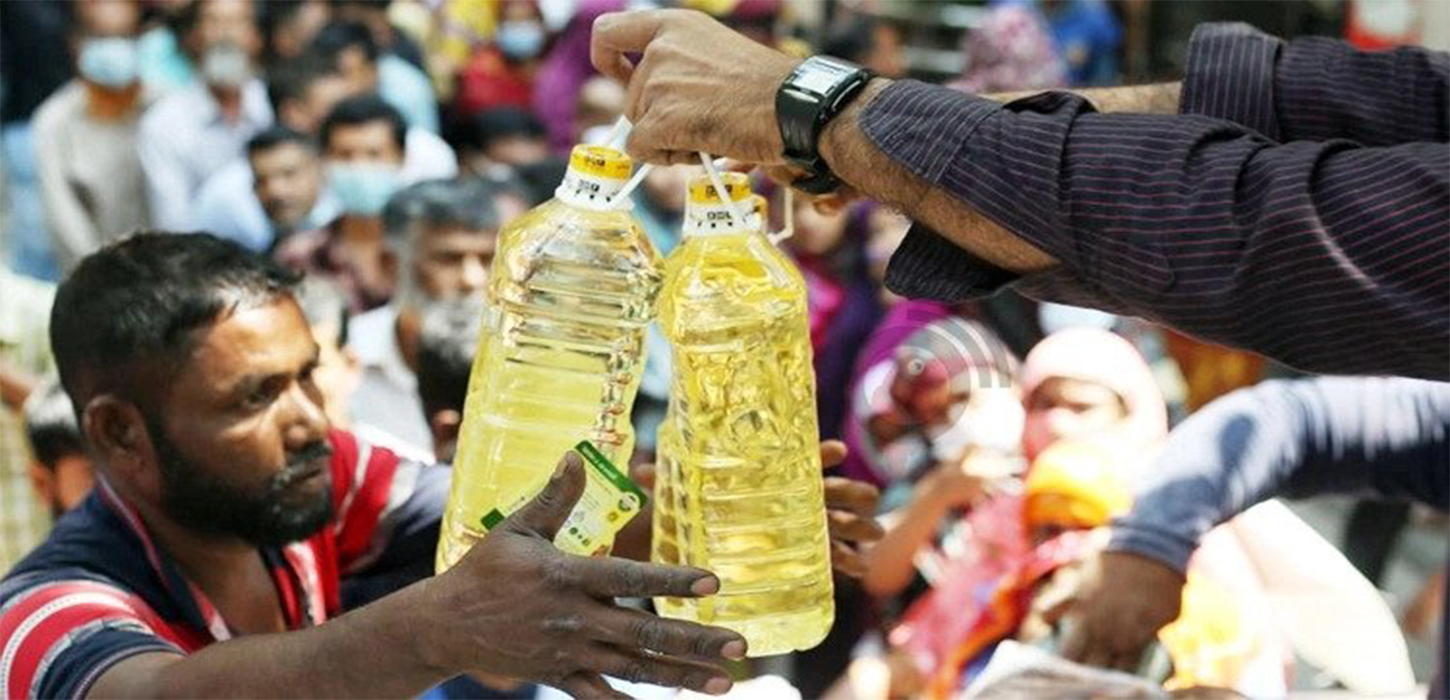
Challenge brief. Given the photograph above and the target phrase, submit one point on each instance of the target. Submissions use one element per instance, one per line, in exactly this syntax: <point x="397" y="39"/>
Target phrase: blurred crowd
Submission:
<point x="378" y="146"/>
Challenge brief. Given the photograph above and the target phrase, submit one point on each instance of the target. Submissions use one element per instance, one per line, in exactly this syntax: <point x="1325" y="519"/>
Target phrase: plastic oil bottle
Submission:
<point x="572" y="291"/>
<point x="738" y="486"/>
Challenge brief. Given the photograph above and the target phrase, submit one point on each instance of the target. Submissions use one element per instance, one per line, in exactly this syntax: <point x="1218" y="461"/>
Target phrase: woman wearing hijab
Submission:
<point x="1093" y="414"/>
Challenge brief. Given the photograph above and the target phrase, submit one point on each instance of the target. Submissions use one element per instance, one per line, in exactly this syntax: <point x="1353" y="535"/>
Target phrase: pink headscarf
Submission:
<point x="1010" y="50"/>
<point x="1105" y="358"/>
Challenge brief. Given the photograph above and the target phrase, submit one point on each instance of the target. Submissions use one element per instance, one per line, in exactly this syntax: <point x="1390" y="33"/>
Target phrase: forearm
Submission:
<point x="876" y="175"/>
<point x="890" y="563"/>
<point x="1288" y="438"/>
<point x="1155" y="98"/>
<point x="374" y="651"/>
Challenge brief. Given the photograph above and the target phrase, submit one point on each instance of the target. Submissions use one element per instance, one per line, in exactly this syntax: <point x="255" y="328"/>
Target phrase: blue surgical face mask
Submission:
<point x="520" y="39"/>
<point x="109" y="62"/>
<point x="363" y="189"/>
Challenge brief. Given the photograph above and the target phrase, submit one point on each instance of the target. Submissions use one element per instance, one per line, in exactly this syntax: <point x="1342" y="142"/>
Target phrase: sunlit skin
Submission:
<point x="235" y="407"/>
<point x="1075" y="408"/>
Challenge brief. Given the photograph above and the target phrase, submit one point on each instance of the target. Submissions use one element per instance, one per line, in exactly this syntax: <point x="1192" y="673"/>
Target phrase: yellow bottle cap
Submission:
<point x="599" y="161"/>
<point x="737" y="184"/>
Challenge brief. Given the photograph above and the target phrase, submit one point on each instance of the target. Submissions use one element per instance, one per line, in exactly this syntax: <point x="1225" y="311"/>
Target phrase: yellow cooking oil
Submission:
<point x="571" y="293"/>
<point x="738" y="485"/>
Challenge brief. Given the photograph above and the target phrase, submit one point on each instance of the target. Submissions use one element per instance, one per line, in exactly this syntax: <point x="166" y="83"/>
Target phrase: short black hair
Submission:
<point x="448" y="340"/>
<point x="129" y="309"/>
<point x="51" y="426"/>
<point x="277" y="135"/>
<point x="276" y="13"/>
<point x="339" y="36"/>
<point x="496" y="124"/>
<point x="364" y="109"/>
<point x="540" y="179"/>
<point x="467" y="203"/>
<point x="852" y="39"/>
<point x="290" y="79"/>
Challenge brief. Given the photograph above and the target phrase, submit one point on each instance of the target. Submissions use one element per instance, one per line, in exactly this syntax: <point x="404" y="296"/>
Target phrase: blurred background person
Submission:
<point x="1087" y="35"/>
<point x="85" y="135"/>
<point x="338" y="371"/>
<point x="302" y="91"/>
<point x="441" y="237"/>
<point x="868" y="41"/>
<point x="561" y="78"/>
<point x="1010" y="49"/>
<point x="502" y="73"/>
<point x="362" y="140"/>
<point x="196" y="130"/>
<point x="374" y="14"/>
<point x="1084" y="382"/>
<point x="61" y="470"/>
<point x="498" y="141"/>
<point x="447" y="343"/>
<point x="350" y="49"/>
<point x="288" y="27"/>
<point x="35" y="60"/>
<point x="25" y="357"/>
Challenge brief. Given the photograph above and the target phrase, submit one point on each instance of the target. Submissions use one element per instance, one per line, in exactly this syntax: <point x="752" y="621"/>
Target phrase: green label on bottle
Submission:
<point x="610" y="500"/>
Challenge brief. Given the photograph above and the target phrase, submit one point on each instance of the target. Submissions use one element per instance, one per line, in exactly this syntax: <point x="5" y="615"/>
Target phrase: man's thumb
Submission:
<point x="546" y="512"/>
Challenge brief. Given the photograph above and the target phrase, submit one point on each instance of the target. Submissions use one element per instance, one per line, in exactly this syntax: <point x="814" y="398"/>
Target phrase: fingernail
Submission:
<point x="572" y="460"/>
<point x="708" y="585"/>
<point x="734" y="651"/>
<point x="718" y="685"/>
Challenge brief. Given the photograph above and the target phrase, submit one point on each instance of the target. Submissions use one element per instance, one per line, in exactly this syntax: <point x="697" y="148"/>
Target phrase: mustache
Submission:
<point x="301" y="464"/>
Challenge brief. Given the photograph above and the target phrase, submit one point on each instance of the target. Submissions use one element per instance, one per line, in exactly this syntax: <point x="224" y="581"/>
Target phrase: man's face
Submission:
<point x="287" y="179"/>
<point x="370" y="143"/>
<point x="360" y="73"/>
<point x="226" y="22"/>
<point x="109" y="18"/>
<point x="453" y="262"/>
<point x="241" y="441"/>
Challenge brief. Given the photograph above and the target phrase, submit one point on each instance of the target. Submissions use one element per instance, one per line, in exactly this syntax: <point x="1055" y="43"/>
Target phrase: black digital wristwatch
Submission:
<point x="814" y="93"/>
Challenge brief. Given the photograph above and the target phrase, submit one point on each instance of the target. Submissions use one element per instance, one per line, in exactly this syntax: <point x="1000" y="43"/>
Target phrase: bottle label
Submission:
<point x="707" y="213"/>
<point x="716" y="219"/>
<point x="611" y="499"/>
<point x="587" y="190"/>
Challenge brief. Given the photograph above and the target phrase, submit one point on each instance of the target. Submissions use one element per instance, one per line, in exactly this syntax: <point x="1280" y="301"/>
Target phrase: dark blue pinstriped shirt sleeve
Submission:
<point x="1327" y="256"/>
<point x="1316" y="88"/>
<point x="1380" y="436"/>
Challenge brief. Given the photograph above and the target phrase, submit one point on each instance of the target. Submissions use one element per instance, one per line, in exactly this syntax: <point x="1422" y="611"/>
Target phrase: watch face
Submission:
<point x="817" y="78"/>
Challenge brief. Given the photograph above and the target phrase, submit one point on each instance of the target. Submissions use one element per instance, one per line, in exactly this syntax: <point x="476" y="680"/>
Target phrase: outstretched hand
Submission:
<point x="517" y="606"/>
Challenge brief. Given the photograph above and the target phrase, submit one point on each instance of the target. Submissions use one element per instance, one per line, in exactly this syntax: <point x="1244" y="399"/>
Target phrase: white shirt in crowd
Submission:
<point x="184" y="140"/>
<point x="90" y="175"/>
<point x="387" y="398"/>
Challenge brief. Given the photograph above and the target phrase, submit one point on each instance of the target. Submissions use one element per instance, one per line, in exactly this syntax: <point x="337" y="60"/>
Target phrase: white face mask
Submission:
<point x="110" y="62"/>
<point x="226" y="65"/>
<point x="991" y="420"/>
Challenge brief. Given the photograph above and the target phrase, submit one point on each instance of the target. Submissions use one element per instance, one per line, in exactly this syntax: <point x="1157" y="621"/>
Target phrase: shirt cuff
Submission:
<point x="1169" y="548"/>
<point x="923" y="126"/>
<point x="927" y="266"/>
<point x="1230" y="75"/>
